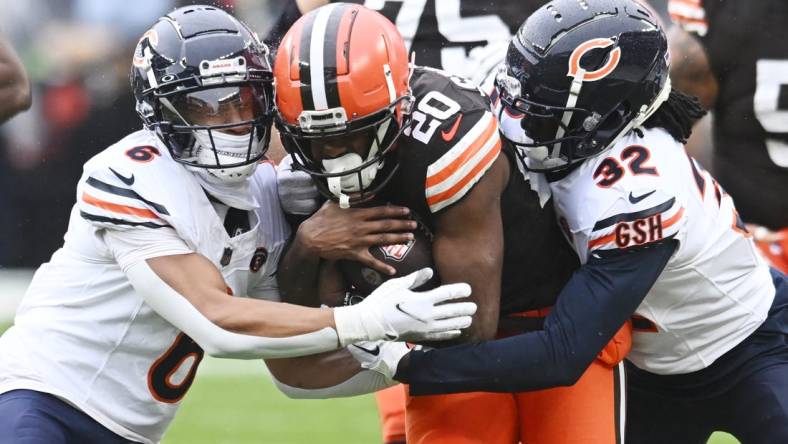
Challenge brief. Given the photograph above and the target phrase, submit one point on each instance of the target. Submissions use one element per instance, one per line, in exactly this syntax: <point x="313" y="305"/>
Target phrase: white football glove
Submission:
<point x="394" y="312"/>
<point x="297" y="192"/>
<point x="379" y="356"/>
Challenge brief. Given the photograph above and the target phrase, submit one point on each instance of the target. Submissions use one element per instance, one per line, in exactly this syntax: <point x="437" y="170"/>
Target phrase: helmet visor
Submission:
<point x="217" y="128"/>
<point x="231" y="109"/>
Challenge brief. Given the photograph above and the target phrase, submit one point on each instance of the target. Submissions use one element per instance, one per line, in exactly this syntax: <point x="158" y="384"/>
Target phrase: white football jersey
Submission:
<point x="715" y="290"/>
<point x="84" y="335"/>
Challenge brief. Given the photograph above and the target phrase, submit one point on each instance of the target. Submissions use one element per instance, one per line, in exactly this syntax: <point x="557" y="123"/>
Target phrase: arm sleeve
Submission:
<point x="135" y="245"/>
<point x="110" y="199"/>
<point x="177" y="310"/>
<point x="594" y="304"/>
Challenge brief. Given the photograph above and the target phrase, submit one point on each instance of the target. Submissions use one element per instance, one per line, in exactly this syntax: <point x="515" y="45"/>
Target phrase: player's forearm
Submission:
<point x="297" y="273"/>
<point x="265" y="318"/>
<point x="361" y="383"/>
<point x="484" y="276"/>
<point x="220" y="342"/>
<point x="468" y="247"/>
<point x="316" y="371"/>
<point x="591" y="308"/>
<point x="328" y="375"/>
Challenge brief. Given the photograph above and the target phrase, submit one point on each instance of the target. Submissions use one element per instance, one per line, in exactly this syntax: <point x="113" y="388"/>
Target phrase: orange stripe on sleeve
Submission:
<point x="612" y="236"/>
<point x="448" y="170"/>
<point x="483" y="164"/>
<point x="122" y="209"/>
<point x="602" y="240"/>
<point x="673" y="219"/>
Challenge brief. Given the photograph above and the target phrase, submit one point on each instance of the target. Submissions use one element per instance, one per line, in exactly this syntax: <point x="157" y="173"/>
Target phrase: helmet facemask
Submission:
<point x="203" y="83"/>
<point x="222" y="132"/>
<point x="345" y="158"/>
<point x="553" y="137"/>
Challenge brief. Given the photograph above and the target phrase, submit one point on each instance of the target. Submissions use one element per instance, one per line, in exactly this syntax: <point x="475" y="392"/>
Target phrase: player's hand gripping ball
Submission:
<point x="404" y="258"/>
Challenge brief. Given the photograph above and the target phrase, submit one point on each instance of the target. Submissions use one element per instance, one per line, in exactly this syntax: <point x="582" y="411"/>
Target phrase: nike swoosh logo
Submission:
<point x="448" y="135"/>
<point x="409" y="314"/>
<point x="634" y="200"/>
<point x="374" y="352"/>
<point x="127" y="180"/>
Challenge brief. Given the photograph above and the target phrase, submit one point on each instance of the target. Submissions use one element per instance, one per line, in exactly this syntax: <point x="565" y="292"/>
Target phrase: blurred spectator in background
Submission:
<point x="15" y="96"/>
<point x="14" y="84"/>
<point x="76" y="53"/>
<point x="743" y="78"/>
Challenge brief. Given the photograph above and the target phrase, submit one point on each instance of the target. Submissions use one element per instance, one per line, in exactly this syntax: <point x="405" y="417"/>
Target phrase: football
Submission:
<point x="405" y="258"/>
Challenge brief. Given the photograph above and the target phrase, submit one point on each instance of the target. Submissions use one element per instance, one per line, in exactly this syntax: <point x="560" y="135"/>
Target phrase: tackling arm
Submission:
<point x="598" y="299"/>
<point x="189" y="292"/>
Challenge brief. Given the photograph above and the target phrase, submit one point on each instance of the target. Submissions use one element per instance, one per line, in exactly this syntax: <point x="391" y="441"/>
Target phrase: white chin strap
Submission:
<point x="339" y="186"/>
<point x="230" y="149"/>
<point x="230" y="185"/>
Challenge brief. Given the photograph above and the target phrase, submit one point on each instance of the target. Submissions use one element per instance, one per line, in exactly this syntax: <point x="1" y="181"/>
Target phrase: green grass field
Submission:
<point x="234" y="402"/>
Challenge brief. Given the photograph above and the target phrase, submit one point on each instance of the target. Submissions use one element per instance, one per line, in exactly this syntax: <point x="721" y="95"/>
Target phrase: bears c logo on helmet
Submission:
<point x="601" y="73"/>
<point x="140" y="58"/>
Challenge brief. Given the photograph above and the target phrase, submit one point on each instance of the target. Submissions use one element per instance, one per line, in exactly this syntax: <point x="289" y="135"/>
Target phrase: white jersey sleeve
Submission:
<point x="714" y="291"/>
<point x="621" y="201"/>
<point x="114" y="193"/>
<point x="131" y="246"/>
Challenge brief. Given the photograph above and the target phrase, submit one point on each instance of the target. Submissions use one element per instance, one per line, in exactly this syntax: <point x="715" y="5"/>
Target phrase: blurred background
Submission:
<point x="77" y="54"/>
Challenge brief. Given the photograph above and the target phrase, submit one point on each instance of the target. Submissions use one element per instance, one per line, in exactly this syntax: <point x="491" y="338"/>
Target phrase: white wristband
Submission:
<point x="352" y="326"/>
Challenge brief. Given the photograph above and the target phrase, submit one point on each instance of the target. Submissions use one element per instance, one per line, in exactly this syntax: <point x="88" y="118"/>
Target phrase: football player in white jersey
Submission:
<point x="585" y="96"/>
<point x="171" y="252"/>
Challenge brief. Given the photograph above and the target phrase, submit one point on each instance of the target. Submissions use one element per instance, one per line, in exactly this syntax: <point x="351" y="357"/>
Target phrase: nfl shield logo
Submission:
<point x="396" y="252"/>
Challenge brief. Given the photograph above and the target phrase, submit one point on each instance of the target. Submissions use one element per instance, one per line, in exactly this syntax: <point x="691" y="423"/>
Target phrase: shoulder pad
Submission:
<point x="452" y="140"/>
<point x="121" y="187"/>
<point x="641" y="205"/>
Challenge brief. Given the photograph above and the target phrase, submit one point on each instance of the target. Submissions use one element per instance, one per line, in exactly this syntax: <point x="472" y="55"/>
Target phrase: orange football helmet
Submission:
<point x="342" y="73"/>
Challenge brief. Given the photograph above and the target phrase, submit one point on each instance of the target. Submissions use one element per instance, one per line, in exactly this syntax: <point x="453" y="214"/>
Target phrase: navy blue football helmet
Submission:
<point x="578" y="76"/>
<point x="203" y="82"/>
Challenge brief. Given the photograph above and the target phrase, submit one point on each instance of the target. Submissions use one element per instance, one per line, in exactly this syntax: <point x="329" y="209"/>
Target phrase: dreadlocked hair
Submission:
<point x="677" y="115"/>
